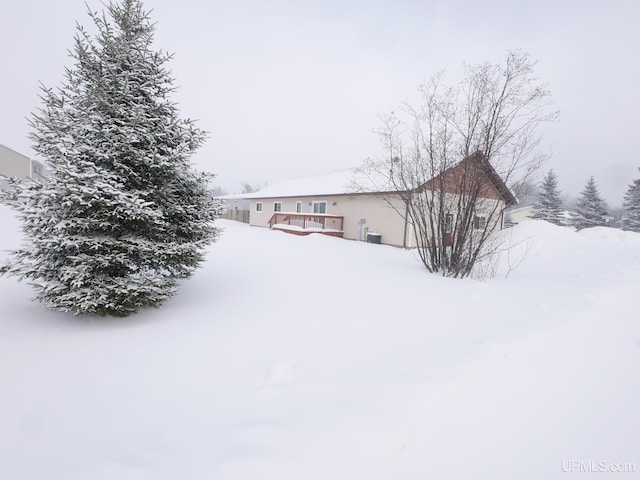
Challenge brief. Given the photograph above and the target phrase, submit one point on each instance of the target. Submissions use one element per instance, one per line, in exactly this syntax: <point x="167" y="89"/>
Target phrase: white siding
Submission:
<point x="380" y="216"/>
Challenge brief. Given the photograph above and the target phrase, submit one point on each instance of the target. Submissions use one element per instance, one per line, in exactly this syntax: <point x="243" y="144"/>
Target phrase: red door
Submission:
<point x="448" y="229"/>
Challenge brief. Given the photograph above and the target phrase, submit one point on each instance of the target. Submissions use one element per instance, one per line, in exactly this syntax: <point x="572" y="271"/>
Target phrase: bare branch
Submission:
<point x="451" y="159"/>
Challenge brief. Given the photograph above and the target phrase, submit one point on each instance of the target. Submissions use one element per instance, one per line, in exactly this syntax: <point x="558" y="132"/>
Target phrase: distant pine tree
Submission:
<point x="631" y="216"/>
<point x="591" y="209"/>
<point x="548" y="204"/>
<point x="124" y="214"/>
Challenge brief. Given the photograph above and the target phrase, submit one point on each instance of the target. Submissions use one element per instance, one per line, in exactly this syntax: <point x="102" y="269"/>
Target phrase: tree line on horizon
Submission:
<point x="590" y="210"/>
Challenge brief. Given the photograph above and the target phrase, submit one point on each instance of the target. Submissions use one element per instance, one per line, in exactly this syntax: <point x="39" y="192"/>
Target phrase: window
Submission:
<point x="258" y="206"/>
<point x="277" y="206"/>
<point x="319" y="207"/>
<point x="479" y="222"/>
<point x="298" y="207"/>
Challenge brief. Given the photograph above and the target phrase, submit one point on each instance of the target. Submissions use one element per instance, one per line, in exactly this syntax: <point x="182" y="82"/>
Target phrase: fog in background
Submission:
<point x="290" y="88"/>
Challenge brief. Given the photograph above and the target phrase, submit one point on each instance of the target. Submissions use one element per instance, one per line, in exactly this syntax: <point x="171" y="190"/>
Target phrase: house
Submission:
<point x="331" y="204"/>
<point x="14" y="164"/>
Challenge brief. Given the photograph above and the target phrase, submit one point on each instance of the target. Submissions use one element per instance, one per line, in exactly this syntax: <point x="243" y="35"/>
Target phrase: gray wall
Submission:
<point x="14" y="164"/>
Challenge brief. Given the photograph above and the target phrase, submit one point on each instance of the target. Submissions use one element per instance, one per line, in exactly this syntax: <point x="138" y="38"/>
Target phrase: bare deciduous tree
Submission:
<point x="248" y="188"/>
<point x="218" y="192"/>
<point x="451" y="158"/>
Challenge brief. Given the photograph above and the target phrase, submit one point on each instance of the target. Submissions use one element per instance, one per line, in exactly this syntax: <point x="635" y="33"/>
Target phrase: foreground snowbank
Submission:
<point x="292" y="357"/>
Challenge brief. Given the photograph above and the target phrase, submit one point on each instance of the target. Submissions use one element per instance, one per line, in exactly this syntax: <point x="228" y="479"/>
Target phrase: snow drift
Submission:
<point x="291" y="357"/>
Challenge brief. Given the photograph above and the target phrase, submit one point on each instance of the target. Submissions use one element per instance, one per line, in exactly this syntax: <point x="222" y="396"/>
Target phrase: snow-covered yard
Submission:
<point x="291" y="357"/>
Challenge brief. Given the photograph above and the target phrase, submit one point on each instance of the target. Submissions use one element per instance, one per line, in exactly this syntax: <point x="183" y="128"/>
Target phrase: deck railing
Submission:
<point x="309" y="222"/>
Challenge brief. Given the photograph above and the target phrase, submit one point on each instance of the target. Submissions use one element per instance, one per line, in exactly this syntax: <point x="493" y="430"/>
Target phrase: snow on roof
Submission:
<point x="339" y="182"/>
<point x="357" y="180"/>
<point x="519" y="209"/>
<point x="14" y="151"/>
<point x="234" y="196"/>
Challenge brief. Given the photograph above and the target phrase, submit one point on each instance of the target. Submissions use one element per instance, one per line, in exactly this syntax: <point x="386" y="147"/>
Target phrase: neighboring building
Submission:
<point x="14" y="164"/>
<point x="331" y="204"/>
<point x="39" y="172"/>
<point x="236" y="207"/>
<point x="514" y="216"/>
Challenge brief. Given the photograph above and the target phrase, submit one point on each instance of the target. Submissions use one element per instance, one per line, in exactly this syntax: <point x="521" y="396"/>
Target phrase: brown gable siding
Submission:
<point x="472" y="173"/>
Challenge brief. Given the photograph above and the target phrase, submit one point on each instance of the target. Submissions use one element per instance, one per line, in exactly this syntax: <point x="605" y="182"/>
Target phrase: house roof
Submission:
<point x="339" y="182"/>
<point x="14" y="151"/>
<point x="353" y="181"/>
<point x="454" y="176"/>
<point x="233" y="196"/>
<point x="520" y="209"/>
<point x="506" y="193"/>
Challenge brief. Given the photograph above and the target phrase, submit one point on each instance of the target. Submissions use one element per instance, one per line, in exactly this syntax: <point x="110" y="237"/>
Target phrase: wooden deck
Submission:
<point x="307" y="223"/>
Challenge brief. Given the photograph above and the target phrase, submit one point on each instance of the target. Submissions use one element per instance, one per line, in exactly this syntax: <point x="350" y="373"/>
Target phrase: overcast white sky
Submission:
<point x="289" y="88"/>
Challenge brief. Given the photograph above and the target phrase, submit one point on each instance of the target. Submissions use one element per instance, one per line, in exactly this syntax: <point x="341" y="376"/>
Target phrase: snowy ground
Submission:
<point x="291" y="357"/>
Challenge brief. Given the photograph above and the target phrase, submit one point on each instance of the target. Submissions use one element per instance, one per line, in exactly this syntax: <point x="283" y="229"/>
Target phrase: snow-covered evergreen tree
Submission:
<point x="591" y="209"/>
<point x="548" y="204"/>
<point x="631" y="204"/>
<point x="124" y="214"/>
